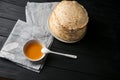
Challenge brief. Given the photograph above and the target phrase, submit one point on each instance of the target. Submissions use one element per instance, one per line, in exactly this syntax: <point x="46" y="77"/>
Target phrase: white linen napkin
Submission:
<point x="36" y="27"/>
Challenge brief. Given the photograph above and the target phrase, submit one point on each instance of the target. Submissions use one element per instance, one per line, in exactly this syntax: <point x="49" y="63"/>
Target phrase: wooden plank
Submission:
<point x="50" y="73"/>
<point x="7" y="71"/>
<point x="6" y="26"/>
<point x="93" y="58"/>
<point x="64" y="75"/>
<point x="95" y="52"/>
<point x="102" y="17"/>
<point x="2" y="40"/>
<point x="11" y="11"/>
<point x="23" y="2"/>
<point x="4" y="78"/>
<point x="18" y="73"/>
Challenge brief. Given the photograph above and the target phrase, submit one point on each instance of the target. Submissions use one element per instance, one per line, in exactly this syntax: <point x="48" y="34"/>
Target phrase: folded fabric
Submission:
<point x="36" y="28"/>
<point x="38" y="13"/>
<point x="13" y="47"/>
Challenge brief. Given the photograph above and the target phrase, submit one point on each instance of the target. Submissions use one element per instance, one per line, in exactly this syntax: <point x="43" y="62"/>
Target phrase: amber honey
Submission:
<point x="33" y="50"/>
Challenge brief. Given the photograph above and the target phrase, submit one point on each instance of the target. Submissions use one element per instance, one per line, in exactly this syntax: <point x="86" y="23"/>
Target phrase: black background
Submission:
<point x="98" y="52"/>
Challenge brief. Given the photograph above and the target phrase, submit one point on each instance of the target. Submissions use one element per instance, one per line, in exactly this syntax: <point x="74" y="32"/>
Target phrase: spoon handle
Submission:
<point x="67" y="55"/>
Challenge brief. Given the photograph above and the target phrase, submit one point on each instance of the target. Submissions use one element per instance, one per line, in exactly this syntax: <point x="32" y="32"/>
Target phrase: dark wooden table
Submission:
<point x="98" y="52"/>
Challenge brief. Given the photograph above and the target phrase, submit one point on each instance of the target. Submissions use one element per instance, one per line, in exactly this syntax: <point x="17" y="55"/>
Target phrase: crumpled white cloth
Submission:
<point x="36" y="27"/>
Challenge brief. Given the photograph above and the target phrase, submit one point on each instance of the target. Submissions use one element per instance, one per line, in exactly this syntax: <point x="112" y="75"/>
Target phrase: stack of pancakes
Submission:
<point x="68" y="21"/>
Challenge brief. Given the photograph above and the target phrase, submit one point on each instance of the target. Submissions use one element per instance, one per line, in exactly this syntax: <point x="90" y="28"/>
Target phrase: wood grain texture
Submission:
<point x="23" y="2"/>
<point x="11" y="11"/>
<point x="98" y="52"/>
<point x="92" y="59"/>
<point x="6" y="26"/>
<point x="2" y="41"/>
<point x="7" y="72"/>
<point x="18" y="73"/>
<point x="4" y="78"/>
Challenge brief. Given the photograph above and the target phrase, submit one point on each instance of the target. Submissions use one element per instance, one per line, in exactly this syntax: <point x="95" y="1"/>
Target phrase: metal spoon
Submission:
<point x="45" y="50"/>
